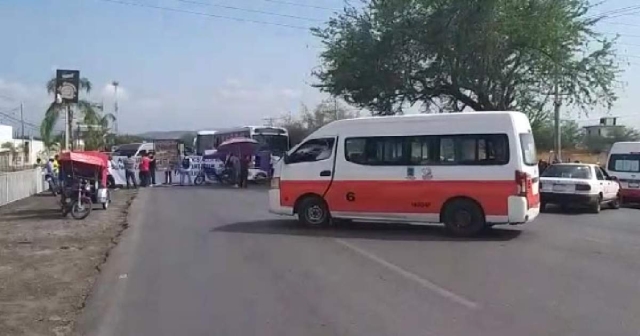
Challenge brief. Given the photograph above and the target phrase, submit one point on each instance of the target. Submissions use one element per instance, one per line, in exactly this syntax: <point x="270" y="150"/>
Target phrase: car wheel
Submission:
<point x="313" y="211"/>
<point x="615" y="204"/>
<point x="596" y="206"/>
<point x="464" y="218"/>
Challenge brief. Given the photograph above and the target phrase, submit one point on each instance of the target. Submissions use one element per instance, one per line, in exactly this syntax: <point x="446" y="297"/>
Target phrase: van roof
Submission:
<point x="448" y="117"/>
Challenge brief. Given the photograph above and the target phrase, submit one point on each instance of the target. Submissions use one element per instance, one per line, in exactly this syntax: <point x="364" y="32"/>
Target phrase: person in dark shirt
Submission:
<point x="152" y="168"/>
<point x="244" y="171"/>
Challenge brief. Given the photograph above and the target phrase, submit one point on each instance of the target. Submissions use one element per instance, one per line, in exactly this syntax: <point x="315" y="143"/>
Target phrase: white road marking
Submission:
<point x="411" y="276"/>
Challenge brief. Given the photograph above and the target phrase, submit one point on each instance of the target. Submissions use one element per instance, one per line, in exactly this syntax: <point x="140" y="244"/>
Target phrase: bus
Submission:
<point x="466" y="170"/>
<point x="274" y="139"/>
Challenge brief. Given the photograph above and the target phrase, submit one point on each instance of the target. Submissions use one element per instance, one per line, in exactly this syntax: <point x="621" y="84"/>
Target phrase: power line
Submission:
<point x="615" y="12"/>
<point x="206" y="14"/>
<point x="249" y="10"/>
<point x="301" y="5"/>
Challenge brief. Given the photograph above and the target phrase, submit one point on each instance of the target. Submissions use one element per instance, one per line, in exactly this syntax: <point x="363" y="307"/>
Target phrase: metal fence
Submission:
<point x="18" y="185"/>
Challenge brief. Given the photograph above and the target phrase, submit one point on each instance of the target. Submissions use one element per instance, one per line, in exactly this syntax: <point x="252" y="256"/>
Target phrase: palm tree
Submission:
<point x="56" y="109"/>
<point x="98" y="128"/>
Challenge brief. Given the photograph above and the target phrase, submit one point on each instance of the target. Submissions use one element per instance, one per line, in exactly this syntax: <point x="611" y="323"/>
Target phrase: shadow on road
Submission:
<point x="30" y="214"/>
<point x="374" y="231"/>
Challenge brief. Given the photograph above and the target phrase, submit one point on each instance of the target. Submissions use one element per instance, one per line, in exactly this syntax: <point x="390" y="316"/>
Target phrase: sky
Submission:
<point x="180" y="71"/>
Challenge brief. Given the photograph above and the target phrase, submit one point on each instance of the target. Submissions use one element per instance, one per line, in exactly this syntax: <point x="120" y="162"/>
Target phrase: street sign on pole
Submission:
<point x="68" y="85"/>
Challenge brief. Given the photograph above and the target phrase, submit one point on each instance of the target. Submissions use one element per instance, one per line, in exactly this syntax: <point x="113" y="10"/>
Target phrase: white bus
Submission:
<point x="466" y="170"/>
<point x="274" y="139"/>
<point x="624" y="164"/>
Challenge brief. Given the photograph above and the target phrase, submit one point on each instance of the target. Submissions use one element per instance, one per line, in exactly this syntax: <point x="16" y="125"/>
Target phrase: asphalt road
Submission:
<point x="209" y="261"/>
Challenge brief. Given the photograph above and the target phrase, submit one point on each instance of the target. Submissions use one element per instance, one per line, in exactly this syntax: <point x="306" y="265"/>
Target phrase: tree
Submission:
<point x="308" y="121"/>
<point x="455" y="55"/>
<point x="13" y="150"/>
<point x="571" y="135"/>
<point x="55" y="110"/>
<point x="599" y="144"/>
<point x="96" y="136"/>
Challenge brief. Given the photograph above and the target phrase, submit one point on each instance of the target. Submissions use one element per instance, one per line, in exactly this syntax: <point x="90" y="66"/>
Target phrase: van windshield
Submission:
<point x="528" y="145"/>
<point x="126" y="150"/>
<point x="624" y="163"/>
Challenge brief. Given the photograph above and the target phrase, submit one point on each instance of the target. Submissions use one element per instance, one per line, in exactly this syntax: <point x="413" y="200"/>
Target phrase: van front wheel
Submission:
<point x="313" y="211"/>
<point x="464" y="218"/>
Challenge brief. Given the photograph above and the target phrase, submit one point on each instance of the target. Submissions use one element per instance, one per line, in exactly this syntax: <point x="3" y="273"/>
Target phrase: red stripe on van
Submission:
<point x="402" y="196"/>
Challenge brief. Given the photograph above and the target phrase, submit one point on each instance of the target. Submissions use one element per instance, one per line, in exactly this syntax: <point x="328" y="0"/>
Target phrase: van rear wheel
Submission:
<point x="464" y="218"/>
<point x="313" y="211"/>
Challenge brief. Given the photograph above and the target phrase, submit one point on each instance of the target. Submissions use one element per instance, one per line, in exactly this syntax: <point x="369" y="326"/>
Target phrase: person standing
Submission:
<point x="185" y="169"/>
<point x="152" y="168"/>
<point x="244" y="171"/>
<point x="168" y="177"/>
<point x="129" y="173"/>
<point x="235" y="164"/>
<point x="144" y="170"/>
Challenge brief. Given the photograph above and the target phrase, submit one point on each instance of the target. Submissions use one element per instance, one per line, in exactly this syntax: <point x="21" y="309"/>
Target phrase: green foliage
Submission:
<point x="452" y="55"/>
<point x="598" y="144"/>
<point x="310" y="120"/>
<point x="572" y="135"/>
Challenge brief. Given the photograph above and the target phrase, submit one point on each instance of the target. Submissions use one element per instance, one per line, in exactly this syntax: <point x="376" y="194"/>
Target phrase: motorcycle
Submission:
<point x="209" y="174"/>
<point x="77" y="200"/>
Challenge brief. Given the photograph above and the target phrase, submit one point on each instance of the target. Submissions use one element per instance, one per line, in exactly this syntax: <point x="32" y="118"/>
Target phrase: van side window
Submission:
<point x="313" y="150"/>
<point x="481" y="149"/>
<point x="478" y="150"/>
<point x="421" y="150"/>
<point x="376" y="151"/>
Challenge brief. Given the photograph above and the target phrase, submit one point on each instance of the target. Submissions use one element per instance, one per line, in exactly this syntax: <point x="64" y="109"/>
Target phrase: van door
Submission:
<point x="307" y="170"/>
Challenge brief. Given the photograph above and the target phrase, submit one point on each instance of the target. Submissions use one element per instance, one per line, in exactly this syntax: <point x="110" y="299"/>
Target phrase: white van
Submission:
<point x="134" y="149"/>
<point x="466" y="170"/>
<point x="624" y="164"/>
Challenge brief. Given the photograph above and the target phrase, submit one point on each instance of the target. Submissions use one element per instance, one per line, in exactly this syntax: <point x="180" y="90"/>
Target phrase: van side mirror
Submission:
<point x="285" y="158"/>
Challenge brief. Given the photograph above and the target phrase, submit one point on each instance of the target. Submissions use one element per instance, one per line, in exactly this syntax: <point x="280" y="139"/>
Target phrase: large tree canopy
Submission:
<point x="451" y="55"/>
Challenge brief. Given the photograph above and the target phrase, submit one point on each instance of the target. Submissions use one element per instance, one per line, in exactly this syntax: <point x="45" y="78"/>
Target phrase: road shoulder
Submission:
<point x="50" y="263"/>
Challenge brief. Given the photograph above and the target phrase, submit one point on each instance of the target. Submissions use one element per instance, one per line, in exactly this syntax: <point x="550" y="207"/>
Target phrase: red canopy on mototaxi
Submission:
<point x="86" y="162"/>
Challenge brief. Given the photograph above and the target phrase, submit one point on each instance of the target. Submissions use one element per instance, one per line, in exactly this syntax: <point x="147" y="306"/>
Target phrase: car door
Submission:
<point x="307" y="170"/>
<point x="612" y="185"/>
<point x="603" y="184"/>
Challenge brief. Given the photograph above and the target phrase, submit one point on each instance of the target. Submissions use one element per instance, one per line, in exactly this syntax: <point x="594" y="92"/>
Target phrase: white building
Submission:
<point x="25" y="151"/>
<point x="605" y="128"/>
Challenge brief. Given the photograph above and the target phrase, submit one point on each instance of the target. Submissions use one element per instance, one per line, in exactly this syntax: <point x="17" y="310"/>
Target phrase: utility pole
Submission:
<point x="22" y="123"/>
<point x="115" y="107"/>
<point x="557" y="102"/>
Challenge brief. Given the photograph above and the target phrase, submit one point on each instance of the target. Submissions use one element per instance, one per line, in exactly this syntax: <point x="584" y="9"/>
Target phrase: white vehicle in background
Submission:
<point x="133" y="149"/>
<point x="624" y="164"/>
<point x="274" y="139"/>
<point x="466" y="170"/>
<point x="581" y="184"/>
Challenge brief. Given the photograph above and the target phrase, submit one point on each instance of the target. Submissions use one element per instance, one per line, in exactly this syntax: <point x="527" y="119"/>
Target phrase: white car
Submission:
<point x="580" y="184"/>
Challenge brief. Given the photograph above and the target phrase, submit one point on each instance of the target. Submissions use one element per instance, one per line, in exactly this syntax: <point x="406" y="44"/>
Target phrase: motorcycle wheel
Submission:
<point x="198" y="180"/>
<point x="80" y="210"/>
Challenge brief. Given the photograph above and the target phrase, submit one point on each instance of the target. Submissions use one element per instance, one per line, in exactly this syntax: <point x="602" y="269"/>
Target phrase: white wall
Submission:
<point x="6" y="133"/>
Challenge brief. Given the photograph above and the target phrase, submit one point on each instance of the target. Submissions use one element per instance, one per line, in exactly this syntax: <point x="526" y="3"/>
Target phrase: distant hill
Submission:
<point x="164" y="134"/>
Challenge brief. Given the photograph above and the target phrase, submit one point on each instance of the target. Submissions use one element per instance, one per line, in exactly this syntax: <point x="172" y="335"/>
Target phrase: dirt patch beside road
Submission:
<point x="49" y="263"/>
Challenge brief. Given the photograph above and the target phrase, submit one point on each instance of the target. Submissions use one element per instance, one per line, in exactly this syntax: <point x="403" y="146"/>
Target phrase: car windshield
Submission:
<point x="624" y="163"/>
<point x="568" y="171"/>
<point x="126" y="150"/>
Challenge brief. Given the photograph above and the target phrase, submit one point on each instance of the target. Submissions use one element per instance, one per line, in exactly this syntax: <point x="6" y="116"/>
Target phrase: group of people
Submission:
<point x="147" y="170"/>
